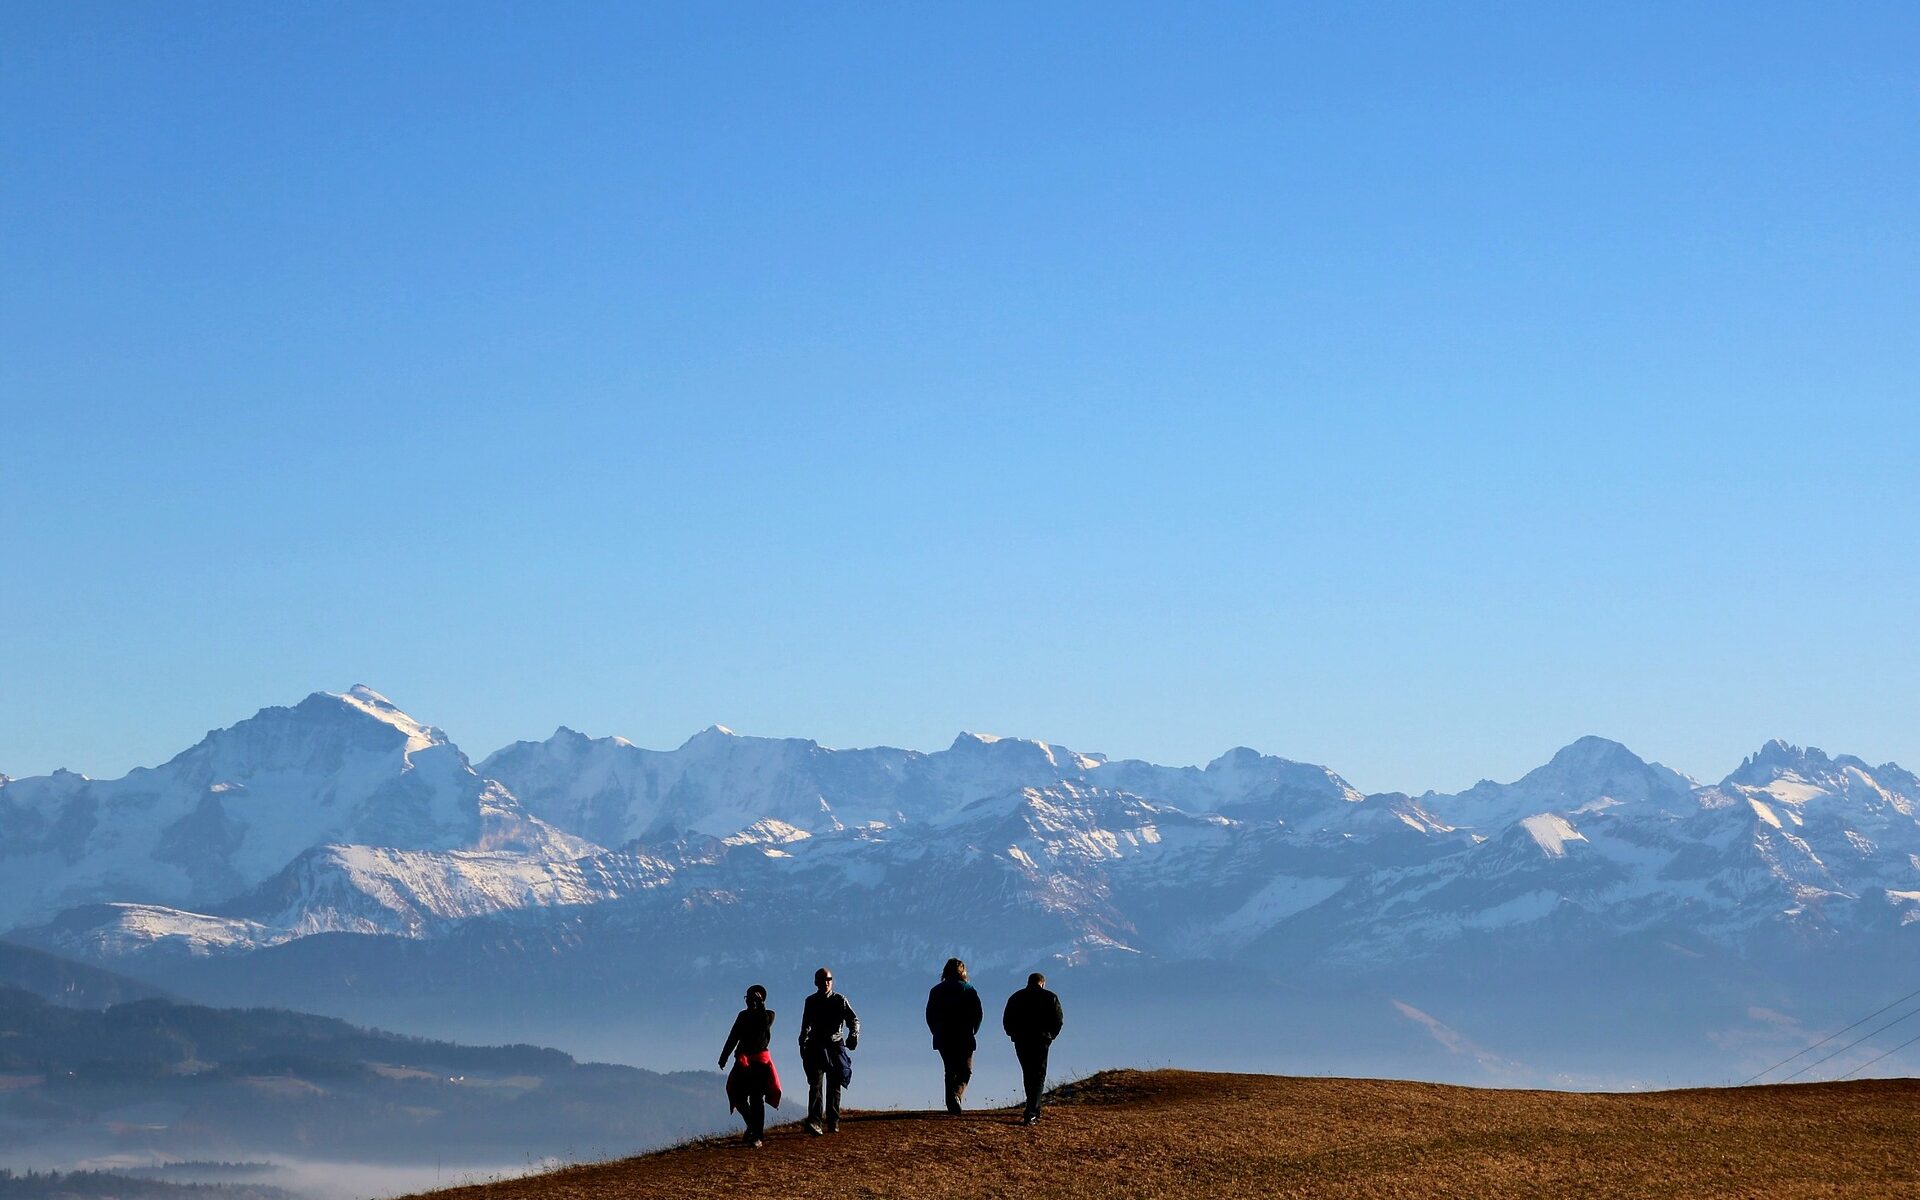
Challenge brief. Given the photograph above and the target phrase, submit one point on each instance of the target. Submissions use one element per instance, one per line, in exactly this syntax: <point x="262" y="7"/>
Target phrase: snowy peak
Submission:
<point x="364" y="700"/>
<point x="245" y="800"/>
<point x="1593" y="753"/>
<point x="1596" y="767"/>
<point x="1780" y="759"/>
<point x="344" y="813"/>
<point x="713" y="737"/>
<point x="1240" y="759"/>
<point x="1874" y="807"/>
<point x="1022" y="752"/>
<point x="716" y="783"/>
<point x="1591" y="774"/>
<point x="721" y="743"/>
<point x="323" y="733"/>
<point x="1244" y="778"/>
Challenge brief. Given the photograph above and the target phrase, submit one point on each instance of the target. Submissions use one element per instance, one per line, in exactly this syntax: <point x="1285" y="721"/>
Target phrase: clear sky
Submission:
<point x="1409" y="388"/>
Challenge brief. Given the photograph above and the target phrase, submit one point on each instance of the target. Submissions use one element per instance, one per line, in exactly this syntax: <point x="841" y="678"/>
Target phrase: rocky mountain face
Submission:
<point x="342" y="817"/>
<point x="719" y="783"/>
<point x="235" y="809"/>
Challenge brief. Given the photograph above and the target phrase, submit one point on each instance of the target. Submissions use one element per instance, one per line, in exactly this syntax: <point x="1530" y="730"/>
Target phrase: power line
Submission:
<point x="1823" y="1041"/>
<point x="1876" y="1058"/>
<point x="1850" y="1045"/>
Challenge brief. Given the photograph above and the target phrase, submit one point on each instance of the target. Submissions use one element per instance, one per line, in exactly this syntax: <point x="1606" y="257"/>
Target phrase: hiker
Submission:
<point x="753" y="1083"/>
<point x="829" y="1029"/>
<point x="953" y="1016"/>
<point x="1032" y="1020"/>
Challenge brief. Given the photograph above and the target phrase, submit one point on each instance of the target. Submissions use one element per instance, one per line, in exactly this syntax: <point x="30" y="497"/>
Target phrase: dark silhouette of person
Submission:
<point x="1033" y="1020"/>
<point x="953" y="1016"/>
<point x="753" y="1083"/>
<point x="829" y="1028"/>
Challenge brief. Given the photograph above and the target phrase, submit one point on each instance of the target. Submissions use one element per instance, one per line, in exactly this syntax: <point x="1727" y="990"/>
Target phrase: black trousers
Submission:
<point x="958" y="1062"/>
<point x="1033" y="1070"/>
<point x="754" y="1112"/>
<point x="823" y="1088"/>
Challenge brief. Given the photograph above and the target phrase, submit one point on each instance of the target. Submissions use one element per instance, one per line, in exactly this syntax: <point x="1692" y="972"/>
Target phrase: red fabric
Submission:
<point x="750" y="1074"/>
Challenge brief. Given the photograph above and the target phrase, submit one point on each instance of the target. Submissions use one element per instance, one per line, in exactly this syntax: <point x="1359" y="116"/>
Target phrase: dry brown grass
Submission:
<point x="1181" y="1133"/>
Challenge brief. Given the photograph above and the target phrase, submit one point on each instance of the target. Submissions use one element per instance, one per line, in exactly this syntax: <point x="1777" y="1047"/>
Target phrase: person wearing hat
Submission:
<point x="753" y="1083"/>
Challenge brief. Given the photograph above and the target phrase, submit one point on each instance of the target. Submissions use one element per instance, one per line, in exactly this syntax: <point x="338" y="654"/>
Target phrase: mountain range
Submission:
<point x="340" y="848"/>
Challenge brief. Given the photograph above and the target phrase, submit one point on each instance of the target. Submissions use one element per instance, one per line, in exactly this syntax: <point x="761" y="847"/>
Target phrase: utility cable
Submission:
<point x="1876" y="1058"/>
<point x="1850" y="1045"/>
<point x="1836" y="1033"/>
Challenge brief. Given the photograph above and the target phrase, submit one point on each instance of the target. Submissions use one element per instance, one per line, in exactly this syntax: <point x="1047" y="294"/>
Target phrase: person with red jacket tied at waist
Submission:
<point x="953" y="1017"/>
<point x="1033" y="1020"/>
<point x="753" y="1083"/>
<point x="823" y="1051"/>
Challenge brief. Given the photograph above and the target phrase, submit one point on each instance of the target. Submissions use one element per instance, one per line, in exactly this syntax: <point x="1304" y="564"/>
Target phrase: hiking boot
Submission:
<point x="813" y="1129"/>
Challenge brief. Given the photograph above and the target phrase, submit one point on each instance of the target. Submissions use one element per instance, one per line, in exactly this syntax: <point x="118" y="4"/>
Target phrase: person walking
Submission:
<point x="1033" y="1019"/>
<point x="753" y="1083"/>
<point x="829" y="1029"/>
<point x="953" y="1017"/>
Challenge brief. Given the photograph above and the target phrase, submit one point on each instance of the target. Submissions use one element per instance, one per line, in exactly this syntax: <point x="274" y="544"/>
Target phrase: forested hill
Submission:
<point x="66" y="982"/>
<point x="223" y="1082"/>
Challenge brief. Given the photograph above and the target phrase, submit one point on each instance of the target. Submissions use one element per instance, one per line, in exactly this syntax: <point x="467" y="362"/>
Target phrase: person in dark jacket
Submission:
<point x="829" y="1028"/>
<point x="753" y="1083"/>
<point x="1033" y="1020"/>
<point x="953" y="1016"/>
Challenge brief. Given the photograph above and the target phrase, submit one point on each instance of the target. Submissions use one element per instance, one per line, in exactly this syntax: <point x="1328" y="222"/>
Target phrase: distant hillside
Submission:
<point x="1179" y="1133"/>
<point x="62" y="981"/>
<point x="114" y="1185"/>
<point x="161" y="1077"/>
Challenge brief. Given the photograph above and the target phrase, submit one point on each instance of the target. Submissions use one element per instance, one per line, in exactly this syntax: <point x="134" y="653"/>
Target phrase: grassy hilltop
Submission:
<point x="1182" y="1133"/>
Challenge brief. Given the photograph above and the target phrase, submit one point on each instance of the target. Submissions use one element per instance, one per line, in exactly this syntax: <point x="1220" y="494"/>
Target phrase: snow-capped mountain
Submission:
<point x="235" y="809"/>
<point x="718" y="782"/>
<point x="344" y="825"/>
<point x="1589" y="775"/>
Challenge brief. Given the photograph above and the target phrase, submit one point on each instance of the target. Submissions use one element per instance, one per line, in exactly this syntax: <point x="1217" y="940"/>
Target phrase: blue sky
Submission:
<point x="1410" y="388"/>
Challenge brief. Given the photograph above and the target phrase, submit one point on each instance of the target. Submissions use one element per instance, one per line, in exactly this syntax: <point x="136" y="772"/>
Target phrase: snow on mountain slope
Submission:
<point x="1066" y="870"/>
<point x="1590" y="774"/>
<point x="357" y="889"/>
<point x="243" y="802"/>
<point x="1857" y="827"/>
<point x="1776" y="851"/>
<point x="718" y="782"/>
<point x="118" y="932"/>
<point x="344" y="815"/>
<point x="370" y="889"/>
<point x="1241" y="783"/>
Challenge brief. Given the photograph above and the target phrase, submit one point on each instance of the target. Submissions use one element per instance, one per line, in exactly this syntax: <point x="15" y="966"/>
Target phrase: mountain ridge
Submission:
<point x="1009" y="852"/>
